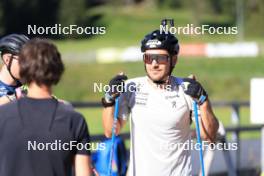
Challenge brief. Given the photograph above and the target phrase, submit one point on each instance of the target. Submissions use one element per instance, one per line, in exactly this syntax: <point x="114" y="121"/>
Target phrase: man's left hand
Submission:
<point x="195" y="90"/>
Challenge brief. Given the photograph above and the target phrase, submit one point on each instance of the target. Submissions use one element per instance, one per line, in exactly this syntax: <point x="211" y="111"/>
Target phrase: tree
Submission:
<point x="18" y="14"/>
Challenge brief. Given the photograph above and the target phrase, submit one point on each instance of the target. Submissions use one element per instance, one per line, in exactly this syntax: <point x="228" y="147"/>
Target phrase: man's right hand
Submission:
<point x="116" y="85"/>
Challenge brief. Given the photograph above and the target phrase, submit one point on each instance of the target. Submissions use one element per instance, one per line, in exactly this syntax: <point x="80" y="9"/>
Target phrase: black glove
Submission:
<point x="195" y="90"/>
<point x="116" y="85"/>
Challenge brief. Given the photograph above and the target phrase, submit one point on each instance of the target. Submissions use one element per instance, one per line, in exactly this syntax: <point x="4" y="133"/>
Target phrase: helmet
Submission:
<point x="13" y="43"/>
<point x="160" y="40"/>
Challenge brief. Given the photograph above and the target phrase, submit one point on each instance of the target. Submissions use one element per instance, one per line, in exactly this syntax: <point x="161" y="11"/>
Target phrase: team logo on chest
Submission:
<point x="141" y="97"/>
<point x="172" y="99"/>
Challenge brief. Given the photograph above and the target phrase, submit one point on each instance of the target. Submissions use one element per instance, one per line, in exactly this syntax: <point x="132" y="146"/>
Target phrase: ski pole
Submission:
<point x="113" y="135"/>
<point x="198" y="136"/>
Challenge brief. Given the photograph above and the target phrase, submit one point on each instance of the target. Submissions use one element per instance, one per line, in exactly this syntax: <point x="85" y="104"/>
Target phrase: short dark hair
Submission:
<point x="40" y="62"/>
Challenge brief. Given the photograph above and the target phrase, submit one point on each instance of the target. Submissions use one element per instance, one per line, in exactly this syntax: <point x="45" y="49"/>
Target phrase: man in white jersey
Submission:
<point x="159" y="107"/>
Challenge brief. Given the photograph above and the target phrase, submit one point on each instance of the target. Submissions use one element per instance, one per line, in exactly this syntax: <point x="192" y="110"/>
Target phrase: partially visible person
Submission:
<point x="38" y="134"/>
<point x="10" y="47"/>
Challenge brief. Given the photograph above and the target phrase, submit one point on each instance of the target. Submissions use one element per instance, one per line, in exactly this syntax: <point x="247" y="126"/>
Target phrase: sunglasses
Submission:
<point x="159" y="58"/>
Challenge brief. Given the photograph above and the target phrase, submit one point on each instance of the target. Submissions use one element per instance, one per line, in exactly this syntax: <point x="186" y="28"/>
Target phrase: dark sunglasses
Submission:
<point x="159" y="58"/>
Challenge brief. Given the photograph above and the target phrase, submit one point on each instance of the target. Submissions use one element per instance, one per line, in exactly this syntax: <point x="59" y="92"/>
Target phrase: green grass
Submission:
<point x="126" y="26"/>
<point x="224" y="79"/>
<point x="93" y="118"/>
